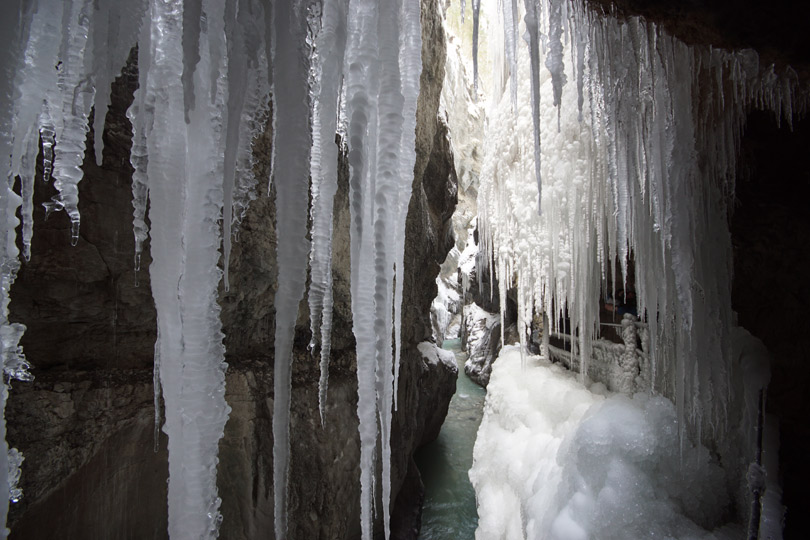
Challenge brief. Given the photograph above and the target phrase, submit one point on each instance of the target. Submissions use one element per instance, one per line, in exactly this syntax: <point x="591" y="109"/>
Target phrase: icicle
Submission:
<point x="554" y="60"/>
<point x="191" y="13"/>
<point x="390" y="181"/>
<point x="476" y="11"/>
<point x="248" y="88"/>
<point x="75" y="100"/>
<point x="156" y="393"/>
<point x="34" y="81"/>
<point x="410" y="65"/>
<point x="510" y="17"/>
<point x="141" y="116"/>
<point x="463" y="8"/>
<point x="291" y="149"/>
<point x="185" y="187"/>
<point x="115" y="31"/>
<point x="237" y="88"/>
<point x="532" y="21"/>
<point x="13" y="26"/>
<point x="330" y="47"/>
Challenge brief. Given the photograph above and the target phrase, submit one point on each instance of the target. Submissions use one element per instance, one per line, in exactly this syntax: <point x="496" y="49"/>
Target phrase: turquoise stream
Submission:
<point x="449" y="511"/>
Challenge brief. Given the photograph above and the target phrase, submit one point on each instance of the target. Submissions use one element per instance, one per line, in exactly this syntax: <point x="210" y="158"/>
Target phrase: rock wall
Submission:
<point x="86" y="424"/>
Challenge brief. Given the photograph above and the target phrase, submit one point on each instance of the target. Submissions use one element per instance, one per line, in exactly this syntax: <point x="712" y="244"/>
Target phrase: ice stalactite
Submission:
<point x="204" y="84"/>
<point x="383" y="64"/>
<point x="291" y="149"/>
<point x="362" y="80"/>
<point x="72" y="108"/>
<point x="476" y="13"/>
<point x="532" y="20"/>
<point x="11" y="26"/>
<point x="386" y="207"/>
<point x="554" y="58"/>
<point x="248" y="87"/>
<point x="141" y="116"/>
<point x="330" y="48"/>
<point x="619" y="160"/>
<point x="35" y="77"/>
<point x="112" y="37"/>
<point x="510" y="29"/>
<point x="410" y="65"/>
<point x="185" y="172"/>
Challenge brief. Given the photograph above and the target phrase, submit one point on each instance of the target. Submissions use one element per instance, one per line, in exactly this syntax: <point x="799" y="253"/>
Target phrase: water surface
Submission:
<point x="450" y="511"/>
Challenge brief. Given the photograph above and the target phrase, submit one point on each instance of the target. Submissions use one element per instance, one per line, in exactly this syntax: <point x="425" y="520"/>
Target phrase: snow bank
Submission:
<point x="556" y="459"/>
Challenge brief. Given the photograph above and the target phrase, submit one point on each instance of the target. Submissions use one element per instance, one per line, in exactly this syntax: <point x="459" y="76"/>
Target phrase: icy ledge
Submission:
<point x="556" y="459"/>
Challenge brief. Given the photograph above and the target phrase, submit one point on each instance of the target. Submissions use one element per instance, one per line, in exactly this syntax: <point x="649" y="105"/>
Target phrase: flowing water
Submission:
<point x="449" y="511"/>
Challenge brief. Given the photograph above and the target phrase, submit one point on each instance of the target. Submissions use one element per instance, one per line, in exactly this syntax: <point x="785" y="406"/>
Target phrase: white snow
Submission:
<point x="434" y="355"/>
<point x="556" y="459"/>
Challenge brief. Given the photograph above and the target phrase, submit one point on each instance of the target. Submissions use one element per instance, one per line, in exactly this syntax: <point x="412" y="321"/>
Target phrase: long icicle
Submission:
<point x="291" y="148"/>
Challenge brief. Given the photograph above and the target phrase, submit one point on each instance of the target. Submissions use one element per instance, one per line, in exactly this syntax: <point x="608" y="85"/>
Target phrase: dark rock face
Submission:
<point x="770" y="231"/>
<point x="86" y="424"/>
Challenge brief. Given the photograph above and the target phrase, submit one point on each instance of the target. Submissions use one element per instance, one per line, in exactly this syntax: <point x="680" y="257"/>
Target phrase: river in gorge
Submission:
<point x="449" y="511"/>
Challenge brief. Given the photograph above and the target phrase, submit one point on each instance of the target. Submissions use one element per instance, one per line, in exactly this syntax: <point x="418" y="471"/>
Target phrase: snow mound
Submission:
<point x="555" y="459"/>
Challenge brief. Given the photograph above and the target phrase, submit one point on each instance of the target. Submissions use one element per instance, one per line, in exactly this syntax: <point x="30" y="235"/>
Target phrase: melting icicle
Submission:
<point x="13" y="27"/>
<point x="291" y="148"/>
<point x="389" y="180"/>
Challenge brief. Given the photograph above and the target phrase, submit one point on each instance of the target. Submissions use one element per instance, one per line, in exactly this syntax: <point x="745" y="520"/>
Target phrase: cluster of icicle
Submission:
<point x="637" y="163"/>
<point x="207" y="69"/>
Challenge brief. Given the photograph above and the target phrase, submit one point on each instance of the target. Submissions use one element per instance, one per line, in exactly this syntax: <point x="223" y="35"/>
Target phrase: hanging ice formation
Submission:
<point x="638" y="161"/>
<point x="204" y="83"/>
